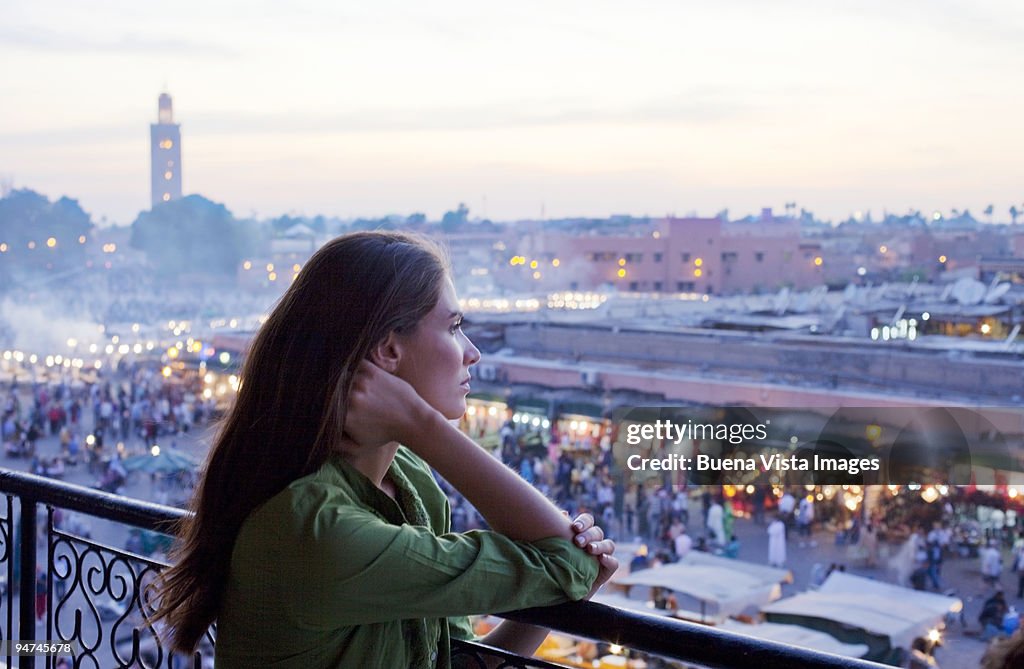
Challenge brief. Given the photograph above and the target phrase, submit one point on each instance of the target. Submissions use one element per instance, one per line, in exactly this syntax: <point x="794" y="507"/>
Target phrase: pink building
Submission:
<point x="675" y="255"/>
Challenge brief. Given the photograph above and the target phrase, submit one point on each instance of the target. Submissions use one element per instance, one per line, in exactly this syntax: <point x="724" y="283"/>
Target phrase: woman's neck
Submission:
<point x="373" y="463"/>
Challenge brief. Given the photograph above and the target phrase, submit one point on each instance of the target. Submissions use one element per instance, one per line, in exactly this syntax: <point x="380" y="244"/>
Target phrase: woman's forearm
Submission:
<point x="510" y="505"/>
<point x="516" y="637"/>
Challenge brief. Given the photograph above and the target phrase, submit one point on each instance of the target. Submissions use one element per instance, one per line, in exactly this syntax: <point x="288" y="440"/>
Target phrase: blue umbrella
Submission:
<point x="166" y="461"/>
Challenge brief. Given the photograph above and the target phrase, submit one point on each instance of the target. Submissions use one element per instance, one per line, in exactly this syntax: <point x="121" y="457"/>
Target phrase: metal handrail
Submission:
<point x="659" y="635"/>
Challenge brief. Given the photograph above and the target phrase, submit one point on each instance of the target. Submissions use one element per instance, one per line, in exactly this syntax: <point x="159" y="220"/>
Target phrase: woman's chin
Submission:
<point x="454" y="411"/>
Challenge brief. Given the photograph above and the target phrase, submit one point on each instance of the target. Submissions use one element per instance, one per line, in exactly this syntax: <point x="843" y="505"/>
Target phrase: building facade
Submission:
<point x="676" y="255"/>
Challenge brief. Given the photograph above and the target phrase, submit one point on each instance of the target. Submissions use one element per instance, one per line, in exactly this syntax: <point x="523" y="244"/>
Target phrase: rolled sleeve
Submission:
<point x="363" y="570"/>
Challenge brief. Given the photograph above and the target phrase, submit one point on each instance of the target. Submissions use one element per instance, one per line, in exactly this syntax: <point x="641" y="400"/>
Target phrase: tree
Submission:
<point x="453" y="220"/>
<point x="988" y="212"/>
<point x="1014" y="213"/>
<point x="192" y="234"/>
<point x="28" y="220"/>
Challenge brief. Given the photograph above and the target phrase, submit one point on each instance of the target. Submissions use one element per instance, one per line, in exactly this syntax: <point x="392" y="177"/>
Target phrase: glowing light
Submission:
<point x="166" y="144"/>
<point x="986" y="328"/>
<point x="622" y="273"/>
<point x="90" y="440"/>
<point x="698" y="262"/>
<point x="555" y="262"/>
<point x="698" y="272"/>
<point x="167" y="197"/>
<point x="166" y="371"/>
<point x="155" y="450"/>
<point x="173" y="352"/>
<point x="942" y="258"/>
<point x="3" y="248"/>
<point x="296" y="267"/>
<point x="861" y="271"/>
<point x="533" y="264"/>
<point x="81" y="239"/>
<point x="656" y="234"/>
<point x="224" y="357"/>
<point x="883" y="249"/>
<point x="51" y="242"/>
<point x="272" y="276"/>
<point x="536" y="275"/>
<point x="270" y="267"/>
<point x="934" y="635"/>
<point x="818" y="261"/>
<point x="247" y="265"/>
<point x="929" y="495"/>
<point x="622" y="262"/>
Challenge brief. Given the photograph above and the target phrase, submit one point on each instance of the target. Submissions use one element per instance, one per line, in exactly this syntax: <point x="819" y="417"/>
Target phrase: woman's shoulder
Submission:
<point x="328" y="486"/>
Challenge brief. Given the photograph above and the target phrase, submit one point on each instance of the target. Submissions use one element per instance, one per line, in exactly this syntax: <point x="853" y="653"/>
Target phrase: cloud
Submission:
<point x="41" y="39"/>
<point x="694" y="107"/>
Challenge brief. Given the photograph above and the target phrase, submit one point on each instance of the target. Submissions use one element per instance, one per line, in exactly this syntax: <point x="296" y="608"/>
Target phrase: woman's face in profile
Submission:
<point x="437" y="355"/>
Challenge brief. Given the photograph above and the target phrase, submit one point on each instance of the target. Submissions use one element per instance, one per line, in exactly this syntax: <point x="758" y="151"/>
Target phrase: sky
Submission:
<point x="521" y="109"/>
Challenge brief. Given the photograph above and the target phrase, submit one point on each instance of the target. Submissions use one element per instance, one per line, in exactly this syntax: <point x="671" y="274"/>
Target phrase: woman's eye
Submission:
<point x="455" y="327"/>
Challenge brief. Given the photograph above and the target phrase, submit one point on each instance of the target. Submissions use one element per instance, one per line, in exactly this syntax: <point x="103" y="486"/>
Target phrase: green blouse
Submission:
<point x="332" y="572"/>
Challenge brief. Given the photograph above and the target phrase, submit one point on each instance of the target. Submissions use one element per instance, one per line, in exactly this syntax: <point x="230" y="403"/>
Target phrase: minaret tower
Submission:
<point x="165" y="152"/>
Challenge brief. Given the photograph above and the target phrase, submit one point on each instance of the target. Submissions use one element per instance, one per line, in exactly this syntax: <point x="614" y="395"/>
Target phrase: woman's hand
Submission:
<point x="382" y="408"/>
<point x="590" y="537"/>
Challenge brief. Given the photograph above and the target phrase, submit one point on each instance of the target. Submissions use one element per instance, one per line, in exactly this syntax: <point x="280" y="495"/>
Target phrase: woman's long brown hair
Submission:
<point x="290" y="408"/>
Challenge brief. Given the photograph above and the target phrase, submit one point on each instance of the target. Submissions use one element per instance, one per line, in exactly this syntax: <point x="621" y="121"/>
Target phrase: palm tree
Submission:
<point x="1014" y="212"/>
<point x="988" y="212"/>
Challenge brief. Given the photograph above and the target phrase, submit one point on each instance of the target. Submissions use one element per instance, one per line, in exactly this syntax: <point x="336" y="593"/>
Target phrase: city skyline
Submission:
<point x="571" y="110"/>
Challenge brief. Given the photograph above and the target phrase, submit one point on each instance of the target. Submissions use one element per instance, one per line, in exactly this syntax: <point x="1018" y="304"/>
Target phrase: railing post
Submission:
<point x="27" y="598"/>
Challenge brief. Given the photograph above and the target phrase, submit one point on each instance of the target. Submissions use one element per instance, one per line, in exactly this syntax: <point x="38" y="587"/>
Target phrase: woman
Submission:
<point x="320" y="537"/>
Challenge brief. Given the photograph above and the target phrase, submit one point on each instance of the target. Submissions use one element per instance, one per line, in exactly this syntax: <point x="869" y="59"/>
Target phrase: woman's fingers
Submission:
<point x="589" y="536"/>
<point x="600" y="548"/>
<point x="582" y="522"/>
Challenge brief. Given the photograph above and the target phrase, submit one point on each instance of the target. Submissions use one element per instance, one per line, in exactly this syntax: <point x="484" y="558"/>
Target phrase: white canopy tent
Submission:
<point x="795" y="635"/>
<point x="885" y="610"/>
<point x="719" y="591"/>
<point x="766" y="575"/>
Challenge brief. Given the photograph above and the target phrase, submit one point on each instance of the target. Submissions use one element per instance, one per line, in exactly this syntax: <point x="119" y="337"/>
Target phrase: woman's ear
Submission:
<point x="386" y="354"/>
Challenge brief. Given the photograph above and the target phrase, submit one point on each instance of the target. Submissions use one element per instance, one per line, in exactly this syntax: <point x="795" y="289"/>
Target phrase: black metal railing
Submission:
<point x="96" y="598"/>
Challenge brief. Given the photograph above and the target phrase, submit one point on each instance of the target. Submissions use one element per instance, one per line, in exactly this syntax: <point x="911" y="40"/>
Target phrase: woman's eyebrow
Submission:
<point x="454" y="314"/>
